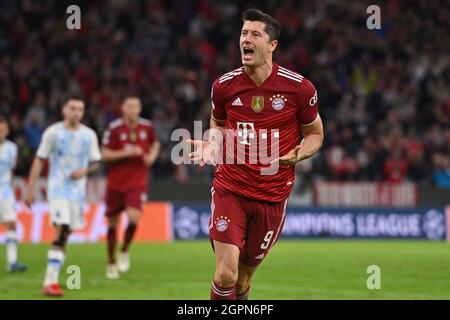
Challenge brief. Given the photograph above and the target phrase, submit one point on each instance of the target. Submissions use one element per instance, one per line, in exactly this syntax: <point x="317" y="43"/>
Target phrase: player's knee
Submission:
<point x="133" y="219"/>
<point x="63" y="235"/>
<point x="226" y="277"/>
<point x="10" y="226"/>
<point x="113" y="221"/>
<point x="133" y="215"/>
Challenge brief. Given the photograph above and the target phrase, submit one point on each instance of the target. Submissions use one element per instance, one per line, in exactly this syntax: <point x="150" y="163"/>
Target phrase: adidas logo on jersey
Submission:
<point x="260" y="256"/>
<point x="237" y="102"/>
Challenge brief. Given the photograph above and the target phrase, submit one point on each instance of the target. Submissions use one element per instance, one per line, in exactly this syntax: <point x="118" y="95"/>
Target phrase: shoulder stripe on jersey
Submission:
<point x="289" y="77"/>
<point x="145" y="121"/>
<point x="229" y="77"/>
<point x="231" y="72"/>
<point x="115" y="123"/>
<point x="292" y="73"/>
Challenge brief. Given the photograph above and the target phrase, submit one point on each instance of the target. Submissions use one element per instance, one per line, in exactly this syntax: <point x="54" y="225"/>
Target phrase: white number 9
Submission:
<point x="267" y="239"/>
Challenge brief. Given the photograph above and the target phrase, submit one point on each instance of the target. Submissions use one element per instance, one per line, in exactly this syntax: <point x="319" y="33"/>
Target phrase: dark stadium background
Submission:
<point x="383" y="95"/>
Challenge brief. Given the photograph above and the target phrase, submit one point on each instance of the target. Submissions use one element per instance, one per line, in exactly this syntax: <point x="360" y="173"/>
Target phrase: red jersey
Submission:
<point x="274" y="110"/>
<point x="128" y="173"/>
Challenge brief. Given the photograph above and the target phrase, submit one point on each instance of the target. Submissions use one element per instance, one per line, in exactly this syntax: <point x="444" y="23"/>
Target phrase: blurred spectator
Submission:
<point x="441" y="172"/>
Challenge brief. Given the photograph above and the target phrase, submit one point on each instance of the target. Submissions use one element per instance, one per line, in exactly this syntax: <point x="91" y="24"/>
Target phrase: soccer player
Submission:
<point x="73" y="152"/>
<point x="264" y="100"/>
<point x="8" y="158"/>
<point x="129" y="148"/>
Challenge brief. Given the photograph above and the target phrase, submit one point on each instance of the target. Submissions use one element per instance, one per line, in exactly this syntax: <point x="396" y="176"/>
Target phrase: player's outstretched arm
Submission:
<point x="311" y="143"/>
<point x="35" y="172"/>
<point x="109" y="155"/>
<point x="206" y="151"/>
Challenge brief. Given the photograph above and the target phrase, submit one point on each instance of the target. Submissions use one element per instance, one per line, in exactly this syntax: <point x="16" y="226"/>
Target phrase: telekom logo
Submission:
<point x="244" y="130"/>
<point x="243" y="145"/>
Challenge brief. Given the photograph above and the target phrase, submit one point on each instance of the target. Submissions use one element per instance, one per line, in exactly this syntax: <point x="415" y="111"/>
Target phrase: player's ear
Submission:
<point x="273" y="45"/>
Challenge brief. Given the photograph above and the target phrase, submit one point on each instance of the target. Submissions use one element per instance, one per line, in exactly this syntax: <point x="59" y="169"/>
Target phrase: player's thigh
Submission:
<point x="227" y="255"/>
<point x="115" y="202"/>
<point x="263" y="232"/>
<point x="133" y="214"/>
<point x="76" y="209"/>
<point x="135" y="199"/>
<point x="59" y="212"/>
<point x="228" y="221"/>
<point x="7" y="211"/>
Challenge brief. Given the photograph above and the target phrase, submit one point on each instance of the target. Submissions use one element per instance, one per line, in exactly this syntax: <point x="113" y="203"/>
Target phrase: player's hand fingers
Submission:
<point x="195" y="142"/>
<point x="195" y="156"/>
<point x="286" y="162"/>
<point x="287" y="159"/>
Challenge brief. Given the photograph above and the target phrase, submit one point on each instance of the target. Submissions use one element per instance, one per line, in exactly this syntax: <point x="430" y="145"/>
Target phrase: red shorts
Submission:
<point x="252" y="225"/>
<point x="117" y="201"/>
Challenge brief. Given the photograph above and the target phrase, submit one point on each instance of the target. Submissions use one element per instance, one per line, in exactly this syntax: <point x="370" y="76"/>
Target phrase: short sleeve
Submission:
<point x="308" y="103"/>
<point x="109" y="139"/>
<point x="45" y="147"/>
<point x="217" y="103"/>
<point x="94" y="151"/>
<point x="14" y="156"/>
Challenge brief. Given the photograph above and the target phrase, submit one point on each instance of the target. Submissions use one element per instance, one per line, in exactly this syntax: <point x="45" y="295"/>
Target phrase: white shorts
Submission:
<point x="7" y="211"/>
<point x="67" y="212"/>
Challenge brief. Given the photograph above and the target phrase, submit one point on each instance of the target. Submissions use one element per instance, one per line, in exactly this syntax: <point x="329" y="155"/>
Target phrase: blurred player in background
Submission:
<point x="8" y="217"/>
<point x="72" y="151"/>
<point x="248" y="208"/>
<point x="130" y="148"/>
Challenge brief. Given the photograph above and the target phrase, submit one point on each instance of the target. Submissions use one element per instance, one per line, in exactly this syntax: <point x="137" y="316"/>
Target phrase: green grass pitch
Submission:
<point x="300" y="269"/>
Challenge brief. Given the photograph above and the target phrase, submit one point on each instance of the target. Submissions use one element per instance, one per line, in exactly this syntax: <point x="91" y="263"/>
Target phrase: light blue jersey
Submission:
<point x="67" y="151"/>
<point x="8" y="159"/>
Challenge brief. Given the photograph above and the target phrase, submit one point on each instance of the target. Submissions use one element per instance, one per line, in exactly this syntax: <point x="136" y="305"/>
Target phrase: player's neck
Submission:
<point x="260" y="73"/>
<point x="130" y="123"/>
<point x="71" y="126"/>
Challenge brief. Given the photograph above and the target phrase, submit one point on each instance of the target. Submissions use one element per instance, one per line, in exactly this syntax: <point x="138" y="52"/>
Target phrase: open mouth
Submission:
<point x="248" y="52"/>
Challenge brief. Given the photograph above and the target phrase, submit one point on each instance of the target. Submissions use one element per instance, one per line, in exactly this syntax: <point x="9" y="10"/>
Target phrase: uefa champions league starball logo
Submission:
<point x="434" y="225"/>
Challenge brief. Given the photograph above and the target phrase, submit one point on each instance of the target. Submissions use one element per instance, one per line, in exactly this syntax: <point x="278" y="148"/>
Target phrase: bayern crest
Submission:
<point x="222" y="223"/>
<point x="278" y="102"/>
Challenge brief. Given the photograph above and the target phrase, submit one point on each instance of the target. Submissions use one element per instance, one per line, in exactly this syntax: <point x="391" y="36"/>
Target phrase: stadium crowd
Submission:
<point x="383" y="94"/>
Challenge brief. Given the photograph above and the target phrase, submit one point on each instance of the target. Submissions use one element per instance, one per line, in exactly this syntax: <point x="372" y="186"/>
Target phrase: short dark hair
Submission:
<point x="3" y="119"/>
<point x="272" y="26"/>
<point x="73" y="96"/>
